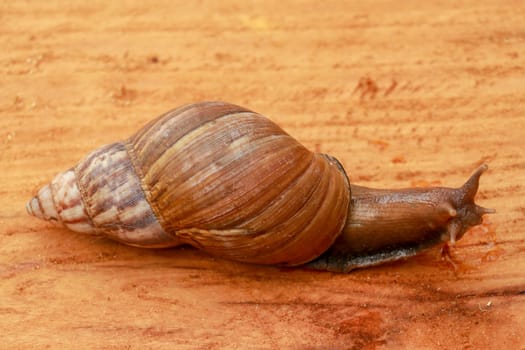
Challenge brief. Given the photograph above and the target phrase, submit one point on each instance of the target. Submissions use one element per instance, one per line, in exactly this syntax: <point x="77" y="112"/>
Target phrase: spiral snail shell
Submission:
<point x="229" y="181"/>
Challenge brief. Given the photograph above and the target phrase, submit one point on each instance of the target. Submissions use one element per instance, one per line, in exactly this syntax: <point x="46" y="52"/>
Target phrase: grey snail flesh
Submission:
<point x="229" y="181"/>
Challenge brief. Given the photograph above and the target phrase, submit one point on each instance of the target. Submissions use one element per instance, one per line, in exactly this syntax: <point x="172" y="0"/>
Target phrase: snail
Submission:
<point x="231" y="182"/>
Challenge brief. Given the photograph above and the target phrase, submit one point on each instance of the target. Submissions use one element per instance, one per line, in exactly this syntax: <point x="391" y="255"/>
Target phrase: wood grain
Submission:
<point x="403" y="93"/>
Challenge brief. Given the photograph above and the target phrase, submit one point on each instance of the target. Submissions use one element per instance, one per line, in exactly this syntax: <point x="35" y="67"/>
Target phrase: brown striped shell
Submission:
<point x="213" y="175"/>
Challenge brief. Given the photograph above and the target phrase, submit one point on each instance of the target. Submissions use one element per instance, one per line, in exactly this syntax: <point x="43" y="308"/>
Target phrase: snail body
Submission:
<point x="229" y="181"/>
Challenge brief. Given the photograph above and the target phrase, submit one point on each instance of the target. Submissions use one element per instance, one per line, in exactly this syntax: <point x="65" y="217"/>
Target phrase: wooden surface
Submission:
<point x="403" y="93"/>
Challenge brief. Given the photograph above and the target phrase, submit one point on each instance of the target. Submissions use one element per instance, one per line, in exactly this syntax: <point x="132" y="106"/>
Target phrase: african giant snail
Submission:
<point x="231" y="182"/>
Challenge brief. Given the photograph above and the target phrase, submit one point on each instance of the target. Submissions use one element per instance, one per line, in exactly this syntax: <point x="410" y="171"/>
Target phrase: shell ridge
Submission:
<point x="276" y="199"/>
<point x="189" y="135"/>
<point x="257" y="248"/>
<point x="79" y="169"/>
<point x="292" y="234"/>
<point x="87" y="216"/>
<point x="244" y="203"/>
<point x="195" y="236"/>
<point x="145" y="190"/>
<point x="143" y="134"/>
<point x="331" y="189"/>
<point x="183" y="122"/>
<point x="146" y="132"/>
<point x="115" y="201"/>
<point x="209" y="175"/>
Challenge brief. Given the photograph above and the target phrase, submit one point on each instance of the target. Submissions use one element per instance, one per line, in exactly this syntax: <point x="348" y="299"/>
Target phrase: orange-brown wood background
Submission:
<point x="402" y="92"/>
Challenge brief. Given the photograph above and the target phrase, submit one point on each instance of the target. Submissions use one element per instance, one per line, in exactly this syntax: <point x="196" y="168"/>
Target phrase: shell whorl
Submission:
<point x="221" y="178"/>
<point x="61" y="201"/>
<point x="115" y="201"/>
<point x="103" y="195"/>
